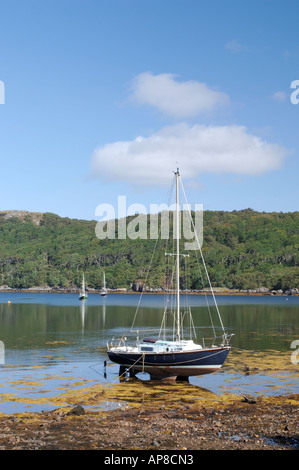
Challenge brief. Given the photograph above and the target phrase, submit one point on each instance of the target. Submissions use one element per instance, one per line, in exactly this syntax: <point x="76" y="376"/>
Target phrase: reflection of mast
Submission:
<point x="104" y="290"/>
<point x="104" y="314"/>
<point x="82" y="308"/>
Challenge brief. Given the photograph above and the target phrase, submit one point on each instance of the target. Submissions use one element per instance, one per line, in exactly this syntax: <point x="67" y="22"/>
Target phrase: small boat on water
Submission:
<point x="104" y="290"/>
<point x="83" y="294"/>
<point x="176" y="358"/>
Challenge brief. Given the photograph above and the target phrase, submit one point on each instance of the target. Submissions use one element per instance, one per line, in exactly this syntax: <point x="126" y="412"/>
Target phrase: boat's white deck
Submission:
<point x="159" y="346"/>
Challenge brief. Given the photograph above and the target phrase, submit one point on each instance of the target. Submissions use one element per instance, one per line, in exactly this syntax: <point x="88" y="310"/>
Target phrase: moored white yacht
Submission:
<point x="177" y="358"/>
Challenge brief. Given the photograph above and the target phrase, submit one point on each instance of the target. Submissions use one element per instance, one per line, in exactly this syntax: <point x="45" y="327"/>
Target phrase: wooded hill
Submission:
<point x="242" y="249"/>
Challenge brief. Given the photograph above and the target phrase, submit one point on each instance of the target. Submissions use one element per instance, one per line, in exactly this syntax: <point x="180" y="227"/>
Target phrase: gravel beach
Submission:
<point x="238" y="423"/>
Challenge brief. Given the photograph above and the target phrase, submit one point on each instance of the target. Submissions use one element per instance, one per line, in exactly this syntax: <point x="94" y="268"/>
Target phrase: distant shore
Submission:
<point x="216" y="291"/>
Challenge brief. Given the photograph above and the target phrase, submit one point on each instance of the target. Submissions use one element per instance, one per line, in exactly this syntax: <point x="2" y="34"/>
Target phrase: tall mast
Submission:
<point x="178" y="256"/>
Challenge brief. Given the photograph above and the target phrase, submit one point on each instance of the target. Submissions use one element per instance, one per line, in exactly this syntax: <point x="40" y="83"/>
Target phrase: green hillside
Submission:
<point x="242" y="249"/>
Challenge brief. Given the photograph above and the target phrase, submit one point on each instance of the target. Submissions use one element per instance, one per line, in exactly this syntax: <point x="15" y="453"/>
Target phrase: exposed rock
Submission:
<point x="271" y="425"/>
<point x="77" y="411"/>
<point x="138" y="286"/>
<point x="251" y="400"/>
<point x="23" y="215"/>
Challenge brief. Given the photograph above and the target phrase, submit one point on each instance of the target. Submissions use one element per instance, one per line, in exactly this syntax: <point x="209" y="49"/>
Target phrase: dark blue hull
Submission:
<point x="177" y="364"/>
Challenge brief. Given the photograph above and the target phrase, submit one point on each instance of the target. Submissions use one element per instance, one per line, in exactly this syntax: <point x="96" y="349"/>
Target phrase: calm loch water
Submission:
<point x="53" y="341"/>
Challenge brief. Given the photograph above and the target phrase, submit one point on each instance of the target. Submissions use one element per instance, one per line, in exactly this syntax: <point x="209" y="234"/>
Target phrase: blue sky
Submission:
<point x="104" y="97"/>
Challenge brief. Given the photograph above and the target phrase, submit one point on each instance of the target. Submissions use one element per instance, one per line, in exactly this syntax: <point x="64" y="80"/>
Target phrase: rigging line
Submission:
<point x="201" y="359"/>
<point x="199" y="268"/>
<point x="152" y="257"/>
<point x="212" y="354"/>
<point x="203" y="261"/>
<point x="128" y="368"/>
<point x="203" y="285"/>
<point x="187" y="300"/>
<point x="141" y="295"/>
<point x="205" y="294"/>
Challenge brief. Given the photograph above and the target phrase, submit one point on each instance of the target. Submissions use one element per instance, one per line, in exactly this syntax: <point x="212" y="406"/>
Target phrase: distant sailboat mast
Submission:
<point x="83" y="295"/>
<point x="83" y="283"/>
<point x="104" y="290"/>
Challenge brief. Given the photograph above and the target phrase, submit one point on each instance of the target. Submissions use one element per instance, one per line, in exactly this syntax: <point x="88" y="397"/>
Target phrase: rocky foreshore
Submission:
<point x="265" y="423"/>
<point x="134" y="290"/>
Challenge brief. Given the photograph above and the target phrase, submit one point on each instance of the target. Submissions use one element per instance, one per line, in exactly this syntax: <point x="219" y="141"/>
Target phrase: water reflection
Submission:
<point x="35" y="326"/>
<point x="56" y="335"/>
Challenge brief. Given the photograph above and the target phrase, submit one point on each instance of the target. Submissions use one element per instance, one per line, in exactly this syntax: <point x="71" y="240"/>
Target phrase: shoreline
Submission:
<point x="251" y="292"/>
<point x="267" y="423"/>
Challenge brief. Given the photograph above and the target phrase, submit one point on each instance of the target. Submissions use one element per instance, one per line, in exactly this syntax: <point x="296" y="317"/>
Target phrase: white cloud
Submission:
<point x="174" y="98"/>
<point x="234" y="46"/>
<point x="279" y="96"/>
<point x="198" y="149"/>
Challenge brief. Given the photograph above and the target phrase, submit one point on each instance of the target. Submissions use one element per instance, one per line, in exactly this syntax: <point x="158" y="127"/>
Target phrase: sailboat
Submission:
<point x="177" y="358"/>
<point x="104" y="290"/>
<point x="83" y="294"/>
